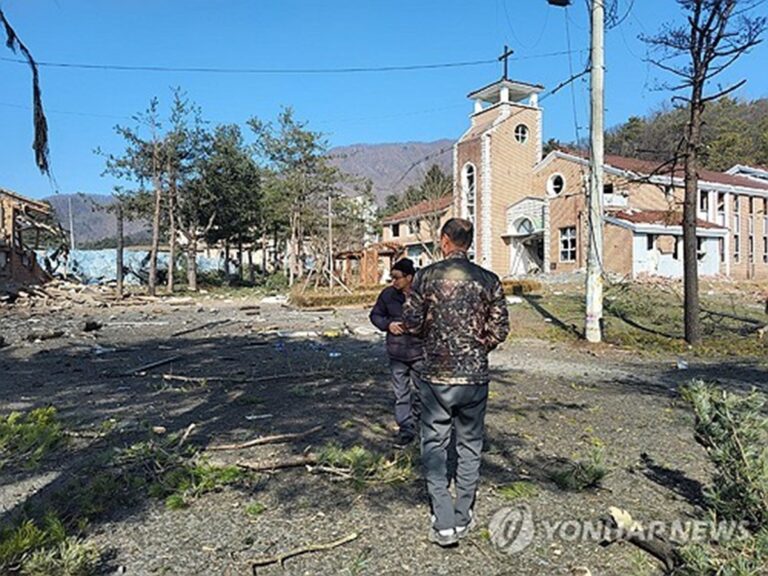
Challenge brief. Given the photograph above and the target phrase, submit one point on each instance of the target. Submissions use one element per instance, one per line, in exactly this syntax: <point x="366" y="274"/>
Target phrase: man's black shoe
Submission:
<point x="404" y="440"/>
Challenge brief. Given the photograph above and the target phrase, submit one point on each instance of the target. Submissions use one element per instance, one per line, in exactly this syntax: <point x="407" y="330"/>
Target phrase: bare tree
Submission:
<point x="715" y="34"/>
<point x="435" y="187"/>
<point x="40" y="145"/>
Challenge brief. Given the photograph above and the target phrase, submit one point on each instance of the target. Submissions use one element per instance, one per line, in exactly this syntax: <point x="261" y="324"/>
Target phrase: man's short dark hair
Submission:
<point x="459" y="231"/>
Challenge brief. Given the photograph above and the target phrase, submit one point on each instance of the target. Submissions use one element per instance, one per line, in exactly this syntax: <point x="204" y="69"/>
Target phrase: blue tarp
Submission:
<point x="94" y="266"/>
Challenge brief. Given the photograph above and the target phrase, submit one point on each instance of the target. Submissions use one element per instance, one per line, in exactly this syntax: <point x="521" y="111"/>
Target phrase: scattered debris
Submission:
<point x="40" y="336"/>
<point x="258" y="416"/>
<point x="92" y="326"/>
<point x="278" y="299"/>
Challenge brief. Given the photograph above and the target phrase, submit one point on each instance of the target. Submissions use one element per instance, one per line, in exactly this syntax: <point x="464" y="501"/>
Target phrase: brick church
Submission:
<point x="530" y="211"/>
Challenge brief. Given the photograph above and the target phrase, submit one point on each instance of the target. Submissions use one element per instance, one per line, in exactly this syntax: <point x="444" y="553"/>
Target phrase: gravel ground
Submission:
<point x="275" y="370"/>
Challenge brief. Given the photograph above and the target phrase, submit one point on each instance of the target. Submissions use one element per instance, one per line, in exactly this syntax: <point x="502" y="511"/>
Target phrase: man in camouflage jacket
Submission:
<point x="459" y="310"/>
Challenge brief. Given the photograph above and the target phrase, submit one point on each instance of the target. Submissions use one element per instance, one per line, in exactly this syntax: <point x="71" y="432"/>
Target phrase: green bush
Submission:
<point x="29" y="436"/>
<point x="71" y="557"/>
<point x="362" y="466"/>
<point x="19" y="542"/>
<point x="581" y="475"/>
<point x="733" y="429"/>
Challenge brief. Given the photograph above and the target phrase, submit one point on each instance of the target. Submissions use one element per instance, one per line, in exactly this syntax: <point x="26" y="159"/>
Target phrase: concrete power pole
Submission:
<point x="594" y="317"/>
<point x="71" y="228"/>
<point x="330" y="244"/>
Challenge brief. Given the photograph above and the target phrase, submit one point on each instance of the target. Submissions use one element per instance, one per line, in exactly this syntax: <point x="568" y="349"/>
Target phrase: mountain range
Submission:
<point x="391" y="168"/>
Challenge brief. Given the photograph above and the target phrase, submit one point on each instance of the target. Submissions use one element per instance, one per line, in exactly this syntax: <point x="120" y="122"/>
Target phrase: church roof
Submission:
<point x="647" y="167"/>
<point x="651" y="168"/>
<point x="659" y="218"/>
<point x="517" y="90"/>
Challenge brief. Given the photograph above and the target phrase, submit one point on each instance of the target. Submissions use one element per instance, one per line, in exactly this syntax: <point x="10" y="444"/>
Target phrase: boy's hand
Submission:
<point x="397" y="328"/>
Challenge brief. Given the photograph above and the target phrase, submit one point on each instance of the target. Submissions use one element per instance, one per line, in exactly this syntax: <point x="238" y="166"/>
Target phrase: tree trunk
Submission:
<point x="275" y="257"/>
<point x="239" y="259"/>
<point x="690" y="243"/>
<point x="264" y="254"/>
<point x="251" y="269"/>
<point x="192" y="263"/>
<point x="171" y="233"/>
<point x="155" y="241"/>
<point x="293" y="255"/>
<point x="119" y="255"/>
<point x="226" y="260"/>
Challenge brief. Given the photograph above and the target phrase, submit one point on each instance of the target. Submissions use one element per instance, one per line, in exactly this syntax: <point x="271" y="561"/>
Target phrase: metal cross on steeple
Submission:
<point x="507" y="53"/>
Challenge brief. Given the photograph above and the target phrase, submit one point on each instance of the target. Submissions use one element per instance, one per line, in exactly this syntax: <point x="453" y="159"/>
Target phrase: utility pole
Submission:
<point x="594" y="317"/>
<point x="120" y="249"/>
<point x="594" y="304"/>
<point x="71" y="228"/>
<point x="330" y="245"/>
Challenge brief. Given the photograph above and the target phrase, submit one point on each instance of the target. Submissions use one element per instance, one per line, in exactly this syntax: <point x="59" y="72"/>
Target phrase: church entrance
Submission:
<point x="526" y="249"/>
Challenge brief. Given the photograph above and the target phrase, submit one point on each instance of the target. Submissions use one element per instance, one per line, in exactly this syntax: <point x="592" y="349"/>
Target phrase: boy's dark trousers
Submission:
<point x="406" y="378"/>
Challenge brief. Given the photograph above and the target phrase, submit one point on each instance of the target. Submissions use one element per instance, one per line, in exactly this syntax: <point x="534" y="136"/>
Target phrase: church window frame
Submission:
<point x="556" y="184"/>
<point x="568" y="244"/>
<point x="469" y="191"/>
<point x="521" y="133"/>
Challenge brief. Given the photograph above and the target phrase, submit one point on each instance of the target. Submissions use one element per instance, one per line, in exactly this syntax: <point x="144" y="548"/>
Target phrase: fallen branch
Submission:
<point x="281" y="558"/>
<point x="83" y="433"/>
<point x="621" y="526"/>
<point x="151" y="365"/>
<point x="194" y="380"/>
<point x="267" y="440"/>
<point x="270" y="465"/>
<point x="186" y="434"/>
<point x="201" y="327"/>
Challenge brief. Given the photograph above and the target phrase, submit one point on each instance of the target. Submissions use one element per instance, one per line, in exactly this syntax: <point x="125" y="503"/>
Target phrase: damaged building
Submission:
<point x="20" y="234"/>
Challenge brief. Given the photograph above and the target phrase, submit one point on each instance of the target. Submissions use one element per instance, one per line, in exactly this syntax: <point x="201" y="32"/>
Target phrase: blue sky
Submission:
<point x="83" y="105"/>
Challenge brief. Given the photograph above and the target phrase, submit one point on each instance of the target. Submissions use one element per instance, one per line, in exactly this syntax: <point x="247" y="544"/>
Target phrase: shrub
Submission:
<point x="29" y="436"/>
<point x="581" y="475"/>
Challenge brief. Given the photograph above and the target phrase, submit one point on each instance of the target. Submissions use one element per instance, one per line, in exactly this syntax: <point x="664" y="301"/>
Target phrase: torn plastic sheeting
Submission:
<point x="95" y="266"/>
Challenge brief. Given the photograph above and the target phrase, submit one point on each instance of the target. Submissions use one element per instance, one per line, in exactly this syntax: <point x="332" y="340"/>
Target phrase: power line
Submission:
<point x="69" y="113"/>
<point x="277" y="71"/>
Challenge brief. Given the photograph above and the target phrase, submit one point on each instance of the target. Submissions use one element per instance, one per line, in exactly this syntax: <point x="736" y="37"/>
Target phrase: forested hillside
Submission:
<point x="735" y="132"/>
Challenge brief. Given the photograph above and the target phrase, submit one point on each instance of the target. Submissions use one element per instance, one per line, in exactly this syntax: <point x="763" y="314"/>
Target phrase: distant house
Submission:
<point x="530" y="212"/>
<point x="18" y="264"/>
<point x="417" y="228"/>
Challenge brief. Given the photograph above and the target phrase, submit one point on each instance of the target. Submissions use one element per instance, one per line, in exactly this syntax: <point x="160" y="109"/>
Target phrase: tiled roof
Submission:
<point x="659" y="218"/>
<point x="423" y="208"/>
<point x="647" y="167"/>
<point x="654" y="168"/>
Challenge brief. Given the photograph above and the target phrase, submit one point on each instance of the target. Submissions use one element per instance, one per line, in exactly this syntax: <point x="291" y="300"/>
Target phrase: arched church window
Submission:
<point x="555" y="184"/>
<point x="524" y="227"/>
<point x="469" y="191"/>
<point x="521" y="133"/>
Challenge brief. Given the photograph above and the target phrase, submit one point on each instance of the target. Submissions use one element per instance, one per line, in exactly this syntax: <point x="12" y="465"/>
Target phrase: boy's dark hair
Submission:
<point x="405" y="265"/>
<point x="459" y="231"/>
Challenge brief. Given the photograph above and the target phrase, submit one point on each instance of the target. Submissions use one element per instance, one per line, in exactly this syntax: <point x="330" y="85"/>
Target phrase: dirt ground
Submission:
<point x="272" y="369"/>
